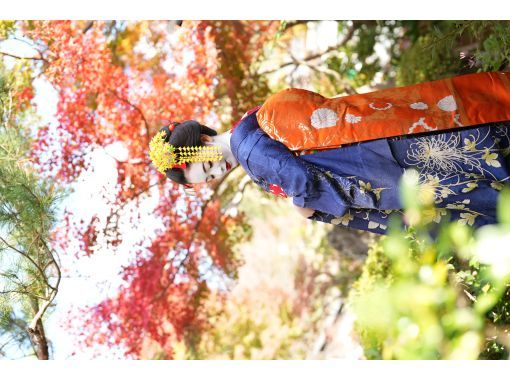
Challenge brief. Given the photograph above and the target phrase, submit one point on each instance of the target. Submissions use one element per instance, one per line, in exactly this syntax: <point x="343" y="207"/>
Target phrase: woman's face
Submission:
<point x="199" y="172"/>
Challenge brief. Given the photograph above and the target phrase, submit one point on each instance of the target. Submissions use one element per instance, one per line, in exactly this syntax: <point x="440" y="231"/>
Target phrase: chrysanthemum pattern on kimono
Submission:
<point x="357" y="185"/>
<point x="463" y="170"/>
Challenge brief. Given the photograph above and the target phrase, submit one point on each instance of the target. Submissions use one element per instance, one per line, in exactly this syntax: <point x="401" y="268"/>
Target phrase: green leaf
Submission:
<point x="503" y="210"/>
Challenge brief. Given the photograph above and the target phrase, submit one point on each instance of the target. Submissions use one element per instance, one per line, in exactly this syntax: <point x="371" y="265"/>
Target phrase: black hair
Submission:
<point x="186" y="133"/>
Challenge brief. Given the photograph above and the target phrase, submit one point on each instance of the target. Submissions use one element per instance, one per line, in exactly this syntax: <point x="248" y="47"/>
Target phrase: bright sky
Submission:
<point x="88" y="280"/>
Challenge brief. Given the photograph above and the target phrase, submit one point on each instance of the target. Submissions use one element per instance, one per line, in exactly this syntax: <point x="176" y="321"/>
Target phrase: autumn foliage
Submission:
<point x="117" y="84"/>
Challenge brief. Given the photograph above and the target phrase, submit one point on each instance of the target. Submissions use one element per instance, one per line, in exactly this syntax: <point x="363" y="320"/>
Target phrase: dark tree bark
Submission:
<point x="37" y="335"/>
<point x="39" y="342"/>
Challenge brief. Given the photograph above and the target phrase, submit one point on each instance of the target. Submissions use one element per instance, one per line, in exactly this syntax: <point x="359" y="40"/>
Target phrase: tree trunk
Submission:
<point x="37" y="335"/>
<point x="39" y="342"/>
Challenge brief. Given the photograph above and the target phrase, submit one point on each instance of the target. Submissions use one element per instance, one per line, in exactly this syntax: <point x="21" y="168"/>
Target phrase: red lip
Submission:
<point x="228" y="165"/>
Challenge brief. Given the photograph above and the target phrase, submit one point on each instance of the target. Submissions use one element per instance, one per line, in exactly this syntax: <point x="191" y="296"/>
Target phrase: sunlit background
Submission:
<point x="270" y="284"/>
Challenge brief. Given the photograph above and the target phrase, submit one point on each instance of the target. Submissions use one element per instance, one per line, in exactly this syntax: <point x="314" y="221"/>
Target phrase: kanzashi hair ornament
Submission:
<point x="172" y="126"/>
<point x="165" y="156"/>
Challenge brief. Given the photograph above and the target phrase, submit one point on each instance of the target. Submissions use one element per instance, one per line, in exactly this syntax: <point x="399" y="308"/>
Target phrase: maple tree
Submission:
<point x="118" y="83"/>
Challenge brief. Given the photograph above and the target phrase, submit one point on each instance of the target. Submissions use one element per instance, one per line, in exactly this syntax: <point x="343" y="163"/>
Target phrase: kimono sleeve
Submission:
<point x="269" y="162"/>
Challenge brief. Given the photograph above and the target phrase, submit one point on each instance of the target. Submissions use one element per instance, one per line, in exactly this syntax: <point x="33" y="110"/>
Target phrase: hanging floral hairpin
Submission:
<point x="165" y="156"/>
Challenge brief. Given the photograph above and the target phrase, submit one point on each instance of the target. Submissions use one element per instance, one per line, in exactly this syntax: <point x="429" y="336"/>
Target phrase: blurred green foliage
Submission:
<point x="6" y="28"/>
<point x="440" y="295"/>
<point x="419" y="50"/>
<point x="438" y="49"/>
<point x="429" y="292"/>
<point x="357" y="60"/>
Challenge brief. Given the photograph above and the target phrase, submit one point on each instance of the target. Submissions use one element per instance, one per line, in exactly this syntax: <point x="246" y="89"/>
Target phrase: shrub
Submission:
<point x="441" y="295"/>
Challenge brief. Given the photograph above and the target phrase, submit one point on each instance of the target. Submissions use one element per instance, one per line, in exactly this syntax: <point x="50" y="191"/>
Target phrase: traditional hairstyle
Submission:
<point x="185" y="134"/>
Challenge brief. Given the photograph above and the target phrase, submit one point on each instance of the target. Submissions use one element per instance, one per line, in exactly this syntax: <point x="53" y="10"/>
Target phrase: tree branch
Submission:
<point x="55" y="263"/>
<point x="23" y="292"/>
<point x="88" y="26"/>
<point x="348" y="36"/>
<point x="147" y="127"/>
<point x="191" y="239"/>
<point x="16" y="336"/>
<point x="41" y="272"/>
<point x="40" y="58"/>
<point x="33" y="324"/>
<point x="327" y="71"/>
<point x="36" y="330"/>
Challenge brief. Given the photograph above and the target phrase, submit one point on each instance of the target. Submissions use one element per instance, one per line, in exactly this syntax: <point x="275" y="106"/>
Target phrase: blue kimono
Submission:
<point x="357" y="186"/>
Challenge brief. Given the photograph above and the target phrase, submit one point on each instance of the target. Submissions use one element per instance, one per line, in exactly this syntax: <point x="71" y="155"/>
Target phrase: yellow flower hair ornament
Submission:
<point x="165" y="156"/>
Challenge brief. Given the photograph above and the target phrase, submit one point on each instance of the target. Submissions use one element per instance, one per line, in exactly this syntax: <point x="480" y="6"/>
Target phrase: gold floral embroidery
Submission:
<point x="434" y="215"/>
<point x="496" y="185"/>
<point x="491" y="158"/>
<point x="469" y="145"/>
<point x="344" y="220"/>
<point x="467" y="218"/>
<point x="366" y="187"/>
<point x="372" y="225"/>
<point x="470" y="186"/>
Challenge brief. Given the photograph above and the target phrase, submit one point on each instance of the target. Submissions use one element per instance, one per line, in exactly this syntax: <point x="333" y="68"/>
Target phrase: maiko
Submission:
<point x="341" y="159"/>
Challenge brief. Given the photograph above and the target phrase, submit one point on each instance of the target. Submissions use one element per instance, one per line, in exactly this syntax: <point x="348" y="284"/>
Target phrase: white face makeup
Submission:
<point x="199" y="172"/>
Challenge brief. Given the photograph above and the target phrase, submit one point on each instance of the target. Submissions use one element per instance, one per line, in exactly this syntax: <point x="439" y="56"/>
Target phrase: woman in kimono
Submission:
<point x="341" y="159"/>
